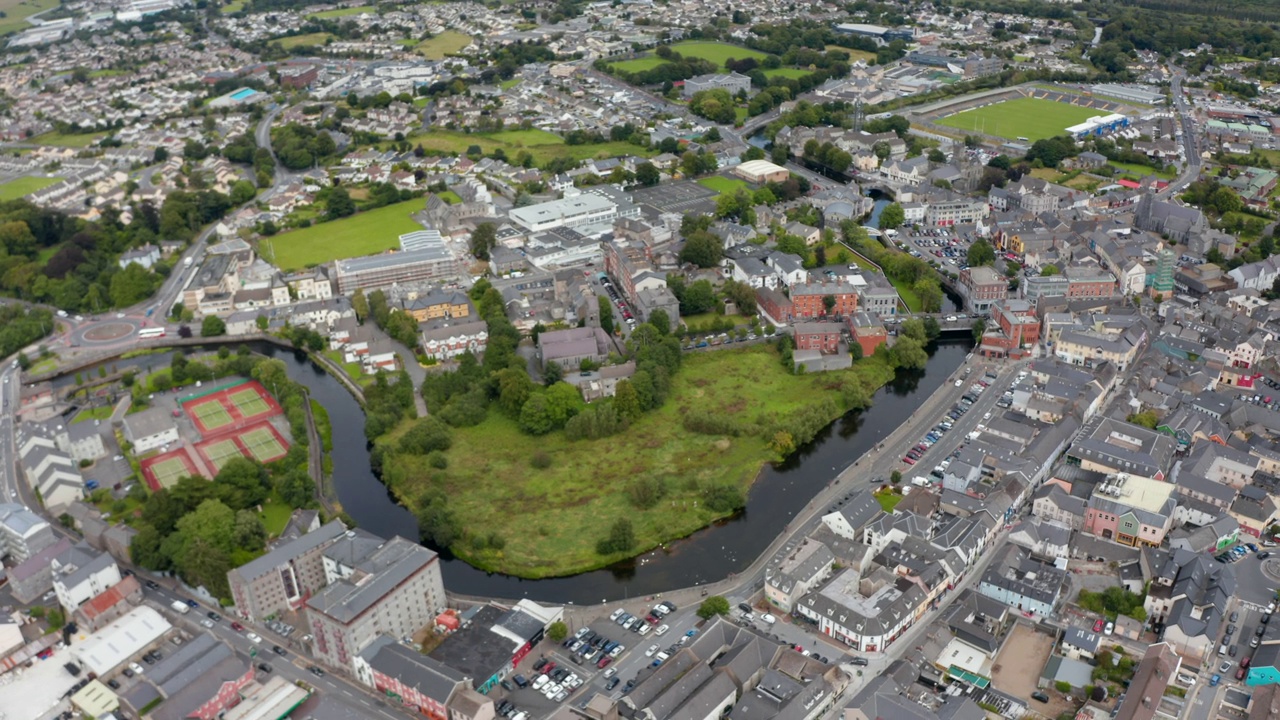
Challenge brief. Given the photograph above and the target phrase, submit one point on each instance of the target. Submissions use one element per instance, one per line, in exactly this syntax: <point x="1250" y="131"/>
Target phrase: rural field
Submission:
<point x="492" y="485"/>
<point x="79" y="140"/>
<point x="541" y="144"/>
<point x="364" y="233"/>
<point x="715" y="52"/>
<point x="19" y="187"/>
<point x="1031" y="118"/>
<point x="342" y="12"/>
<point x="446" y="43"/>
<point x="302" y="40"/>
<point x="16" y="13"/>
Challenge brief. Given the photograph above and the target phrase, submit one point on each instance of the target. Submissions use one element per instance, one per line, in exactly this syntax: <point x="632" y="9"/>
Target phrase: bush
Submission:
<point x="645" y="492"/>
<point x="437" y="460"/>
<point x="1063" y="686"/>
<point x="540" y="460"/>
<point x="621" y="538"/>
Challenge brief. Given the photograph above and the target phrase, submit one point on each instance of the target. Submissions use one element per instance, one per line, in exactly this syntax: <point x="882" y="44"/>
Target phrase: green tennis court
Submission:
<point x="220" y="451"/>
<point x="167" y="472"/>
<point x="263" y="444"/>
<point x="249" y="403"/>
<point x="211" y="415"/>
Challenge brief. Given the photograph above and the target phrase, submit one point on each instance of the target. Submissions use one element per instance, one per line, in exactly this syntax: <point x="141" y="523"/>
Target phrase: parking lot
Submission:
<point x="684" y="197"/>
<point x="976" y="388"/>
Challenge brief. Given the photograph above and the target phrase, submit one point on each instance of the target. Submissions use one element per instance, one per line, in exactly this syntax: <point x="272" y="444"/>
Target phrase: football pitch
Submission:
<point x="1029" y="118"/>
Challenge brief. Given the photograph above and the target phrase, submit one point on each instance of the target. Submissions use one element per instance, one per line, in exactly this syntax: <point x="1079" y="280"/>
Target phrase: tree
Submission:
<point x="702" y="249"/>
<point x="557" y="632"/>
<point x="621" y="538"/>
<point x="908" y="353"/>
<point x="535" y="416"/>
<point x="249" y="533"/>
<point x="514" y="389"/>
<point x="828" y="303"/>
<point x="132" y="285"/>
<point x="212" y="326"/>
<point x="1049" y="270"/>
<point x="647" y="174"/>
<point x="980" y="253"/>
<point x="606" y="314"/>
<point x="895" y="477"/>
<point x="262" y="322"/>
<point x="483" y="240"/>
<point x="936" y="156"/>
<point x="713" y="606"/>
<point x="360" y="304"/>
<point x="242" y="192"/>
<point x="660" y="321"/>
<point x="339" y="204"/>
<point x="698" y="298"/>
<point x="892" y="217"/>
<point x="1146" y="419"/>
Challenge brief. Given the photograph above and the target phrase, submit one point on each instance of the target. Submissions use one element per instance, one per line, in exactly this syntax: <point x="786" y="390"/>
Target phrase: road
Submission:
<point x="1189" y="142"/>
<point x="10" y="476"/>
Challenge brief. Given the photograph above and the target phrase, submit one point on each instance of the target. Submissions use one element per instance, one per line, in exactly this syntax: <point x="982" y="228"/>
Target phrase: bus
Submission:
<point x="147" y="334"/>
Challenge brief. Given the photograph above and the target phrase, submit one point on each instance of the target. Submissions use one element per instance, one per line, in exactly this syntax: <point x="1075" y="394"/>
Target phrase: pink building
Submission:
<point x="1131" y="510"/>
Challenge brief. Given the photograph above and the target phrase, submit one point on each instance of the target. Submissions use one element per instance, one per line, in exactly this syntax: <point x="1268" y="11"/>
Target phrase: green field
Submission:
<point x="19" y="187"/>
<point x="724" y="185"/>
<point x="1031" y="118"/>
<point x="541" y="144"/>
<point x="365" y="233"/>
<point x="16" y="13"/>
<point x="275" y="515"/>
<point x="1137" y="172"/>
<point x="795" y="73"/>
<point x="442" y="45"/>
<point x="80" y="140"/>
<point x="640" y="64"/>
<point x="309" y="39"/>
<point x="716" y="52"/>
<point x="450" y="197"/>
<point x="552" y="518"/>
<point x="854" y="55"/>
<point x="102" y="412"/>
<point x="342" y="12"/>
<point x="888" y="500"/>
<point x="234" y="6"/>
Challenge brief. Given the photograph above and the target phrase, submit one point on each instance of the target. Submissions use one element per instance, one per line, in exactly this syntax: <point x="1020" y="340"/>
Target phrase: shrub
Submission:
<point x="540" y="460"/>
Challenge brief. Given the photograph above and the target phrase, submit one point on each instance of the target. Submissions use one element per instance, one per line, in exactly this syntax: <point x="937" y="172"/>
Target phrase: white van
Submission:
<point x="768" y="619"/>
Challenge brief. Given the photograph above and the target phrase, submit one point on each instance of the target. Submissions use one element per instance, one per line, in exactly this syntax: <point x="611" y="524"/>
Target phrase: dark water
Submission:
<point x="709" y="555"/>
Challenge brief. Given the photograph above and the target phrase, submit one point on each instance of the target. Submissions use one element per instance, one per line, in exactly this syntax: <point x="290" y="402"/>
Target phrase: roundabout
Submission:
<point x="1271" y="568"/>
<point x="106" y="332"/>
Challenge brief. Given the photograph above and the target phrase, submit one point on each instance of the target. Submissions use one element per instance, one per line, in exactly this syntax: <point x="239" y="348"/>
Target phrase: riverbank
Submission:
<point x="668" y="480"/>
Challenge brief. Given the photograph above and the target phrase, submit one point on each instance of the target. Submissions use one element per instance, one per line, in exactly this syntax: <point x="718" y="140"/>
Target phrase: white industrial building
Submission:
<point x="122" y="639"/>
<point x="584" y="209"/>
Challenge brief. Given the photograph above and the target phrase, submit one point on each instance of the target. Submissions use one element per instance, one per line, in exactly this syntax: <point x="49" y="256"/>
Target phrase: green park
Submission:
<point x="365" y="233"/>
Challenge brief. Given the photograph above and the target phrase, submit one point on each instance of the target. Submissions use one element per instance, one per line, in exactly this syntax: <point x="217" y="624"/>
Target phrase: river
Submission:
<point x="711" y="554"/>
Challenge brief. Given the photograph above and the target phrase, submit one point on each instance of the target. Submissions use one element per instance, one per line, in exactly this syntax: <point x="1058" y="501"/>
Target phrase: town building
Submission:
<point x="200" y="680"/>
<point x="809" y="300"/>
<point x="283" y="578"/>
<point x="1131" y="510"/>
<point x="446" y="339"/>
<point x="761" y="171"/>
<point x="82" y="573"/>
<point x="824" y="337"/>
<point x="150" y="429"/>
<point x="420" y="683"/>
<point x="379" y="271"/>
<point x="731" y="82"/>
<point x="22" y="533"/>
<point x="982" y="287"/>
<point x="487" y="649"/>
<point x="570" y="347"/>
<point x="868" y="332"/>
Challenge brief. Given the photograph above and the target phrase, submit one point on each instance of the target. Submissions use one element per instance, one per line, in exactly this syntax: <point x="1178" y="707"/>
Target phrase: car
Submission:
<point x="254" y="638"/>
<point x="213" y="616"/>
<point x="616" y="651"/>
<point x="207" y="623"/>
<point x="1253" y="641"/>
<point x="152" y="585"/>
<point x="539" y="664"/>
<point x="1258" y="632"/>
<point x="859" y="661"/>
<point x="1213" y="681"/>
<point x="1240" y="673"/>
<point x="613" y="683"/>
<point x="1252" y="547"/>
<point x="1244" y="662"/>
<point x="1231" y="629"/>
<point x="615" y="615"/>
<point x="1235" y="615"/>
<point x="237" y="627"/>
<point x="136" y="668"/>
<point x="1098" y="625"/>
<point x="644" y="629"/>
<point x="113" y="684"/>
<point x="279" y="650"/>
<point x="651" y="651"/>
<point x="264" y="667"/>
<point x="1264" y="555"/>
<point x="316" y="670"/>
<point x="1231" y="651"/>
<point x="540" y="682"/>
<point x="191" y="603"/>
<point x="1038" y="695"/>
<point x="1225" y="666"/>
<point x="662" y="630"/>
<point x="604" y="662"/>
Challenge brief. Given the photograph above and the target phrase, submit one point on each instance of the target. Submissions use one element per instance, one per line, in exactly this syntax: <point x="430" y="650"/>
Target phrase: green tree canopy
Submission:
<point x="712" y="606"/>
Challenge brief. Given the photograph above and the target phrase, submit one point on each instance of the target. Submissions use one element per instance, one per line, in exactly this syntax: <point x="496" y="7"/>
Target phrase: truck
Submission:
<point x="180" y="607"/>
<point x="186" y="262"/>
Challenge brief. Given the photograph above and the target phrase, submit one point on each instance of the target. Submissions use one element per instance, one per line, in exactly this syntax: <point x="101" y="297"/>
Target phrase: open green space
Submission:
<point x="294" y="41"/>
<point x="354" y="371"/>
<point x="716" y="52"/>
<point x="450" y="197"/>
<point x="639" y="64"/>
<point x="795" y="73"/>
<point x="724" y="185"/>
<point x="16" y="13"/>
<point x="364" y="233"/>
<point x="508" y="84"/>
<point x="1140" y="171"/>
<point x="888" y="500"/>
<point x="541" y="144"/>
<point x="551" y="519"/>
<point x="19" y="187"/>
<point x="1031" y="118"/>
<point x="97" y="413"/>
<point x="854" y="55"/>
<point x="275" y="515"/>
<point x="442" y="45"/>
<point x="702" y="322"/>
<point x="79" y="140"/>
<point x="234" y="6"/>
<point x="342" y="12"/>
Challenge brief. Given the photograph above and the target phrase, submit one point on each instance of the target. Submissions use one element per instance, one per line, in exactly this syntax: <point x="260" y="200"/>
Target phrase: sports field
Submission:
<point x="1031" y="118"/>
<point x="18" y="187"/>
<point x="210" y="415"/>
<point x="442" y="45"/>
<point x="308" y="39"/>
<point x="365" y="233"/>
<point x="16" y="13"/>
<point x="263" y="444"/>
<point x="724" y="185"/>
<point x="716" y="52"/>
<point x="249" y="403"/>
<point x="542" y="145"/>
<point x="218" y="452"/>
<point x="163" y="471"/>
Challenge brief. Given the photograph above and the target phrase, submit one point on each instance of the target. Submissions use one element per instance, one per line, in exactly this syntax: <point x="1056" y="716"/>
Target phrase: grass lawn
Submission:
<point x="702" y="322"/>
<point x="1031" y="118"/>
<point x="26" y="185"/>
<point x="446" y="43"/>
<point x="716" y="52"/>
<point x="796" y="73"/>
<point x="234" y="6"/>
<point x="888" y="500"/>
<point x="106" y="73"/>
<point x="294" y="41"/>
<point x="639" y="64"/>
<point x="508" y="84"/>
<point x="1048" y="174"/>
<point x="275" y="515"/>
<point x="552" y="518"/>
<point x="342" y="12"/>
<point x="857" y="259"/>
<point x="1141" y="171"/>
<point x="352" y="369"/>
<point x="541" y="144"/>
<point x="908" y="295"/>
<point x="853" y="54"/>
<point x="53" y="137"/>
<point x="364" y="233"/>
<point x="97" y="413"/>
<point x="16" y="13"/>
<point x="450" y="197"/>
<point x="724" y="185"/>
<point x="43" y="365"/>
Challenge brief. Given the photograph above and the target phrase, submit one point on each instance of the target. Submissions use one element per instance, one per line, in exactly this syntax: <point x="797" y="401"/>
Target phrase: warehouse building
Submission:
<point x="116" y="643"/>
<point x="761" y="171"/>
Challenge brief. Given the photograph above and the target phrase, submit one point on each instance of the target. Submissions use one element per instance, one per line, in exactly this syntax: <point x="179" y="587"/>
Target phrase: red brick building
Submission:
<point x="775" y="304"/>
<point x="983" y="286"/>
<point x="821" y="336"/>
<point x="868" y="332"/>
<point x="809" y="300"/>
<point x="1014" y="327"/>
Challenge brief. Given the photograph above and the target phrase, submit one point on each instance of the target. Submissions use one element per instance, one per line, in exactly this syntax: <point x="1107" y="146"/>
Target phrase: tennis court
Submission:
<point x="164" y="471"/>
<point x="210" y="415"/>
<point x="249" y="402"/>
<point x="263" y="444"/>
<point x="218" y="452"/>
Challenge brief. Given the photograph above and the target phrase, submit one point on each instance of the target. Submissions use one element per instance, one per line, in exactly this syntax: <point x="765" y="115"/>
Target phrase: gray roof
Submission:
<point x="282" y="554"/>
<point x="1085" y="639"/>
<point x="19" y="520"/>
<point x="393" y="259"/>
<point x="1017" y="573"/>
<point x="390" y="565"/>
<point x="86" y="562"/>
<point x="421" y="672"/>
<point x="148" y="422"/>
